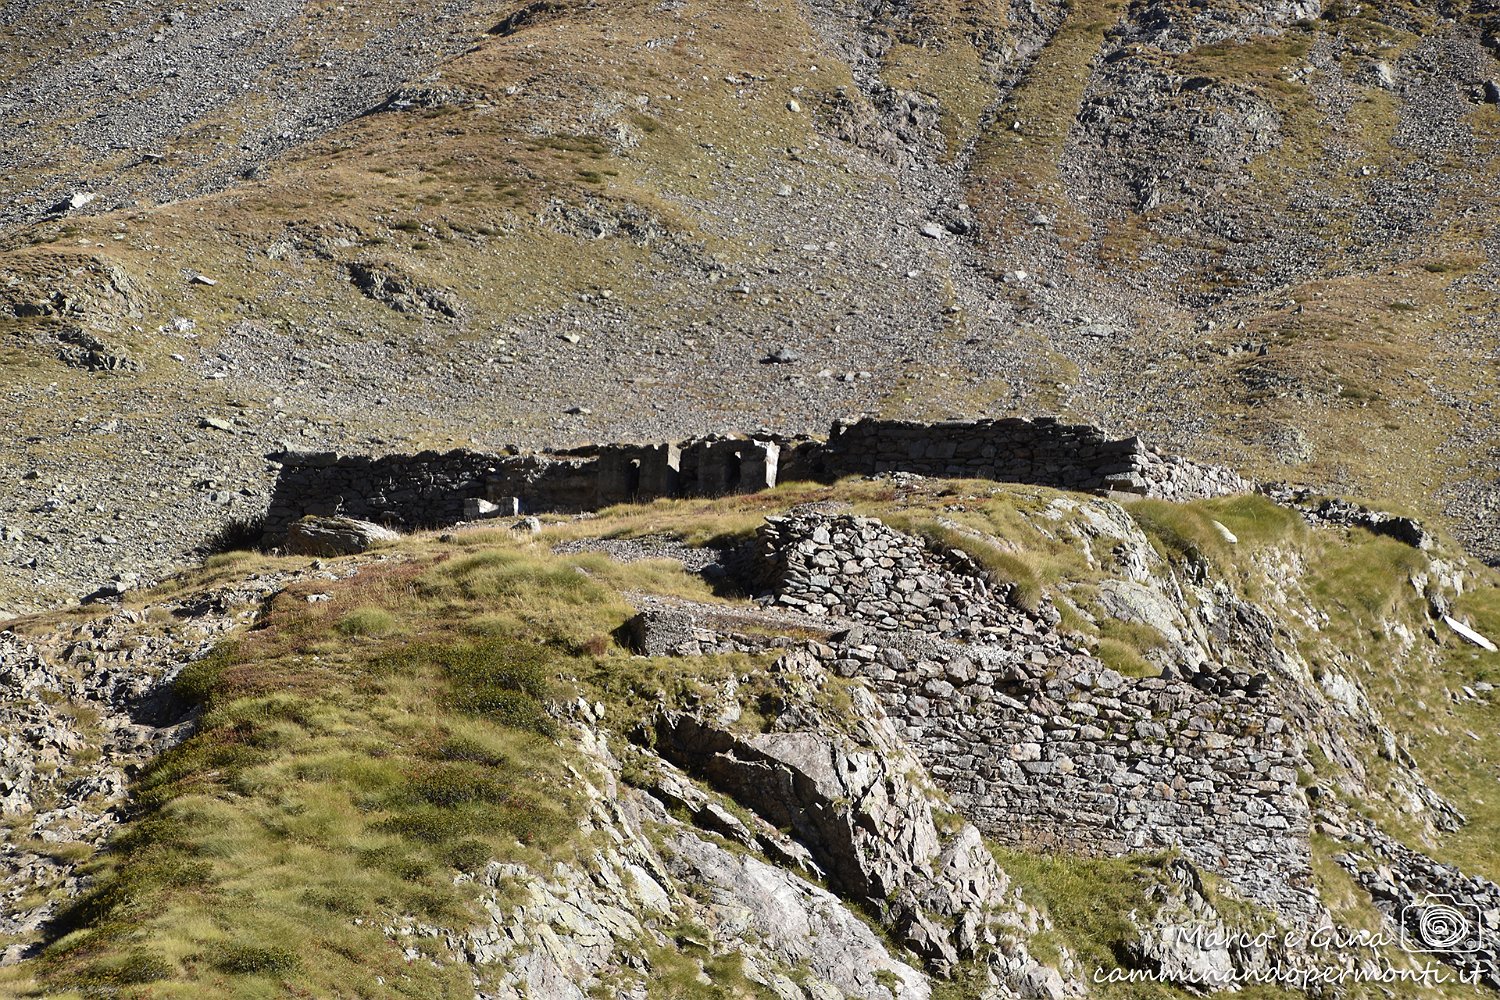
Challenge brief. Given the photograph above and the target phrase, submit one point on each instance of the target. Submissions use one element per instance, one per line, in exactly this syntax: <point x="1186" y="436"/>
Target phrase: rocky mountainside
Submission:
<point x="899" y="738"/>
<point x="1256" y="233"/>
<point x="423" y="572"/>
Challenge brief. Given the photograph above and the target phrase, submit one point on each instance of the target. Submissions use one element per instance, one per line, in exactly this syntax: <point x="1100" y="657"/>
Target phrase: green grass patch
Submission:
<point x="372" y="622"/>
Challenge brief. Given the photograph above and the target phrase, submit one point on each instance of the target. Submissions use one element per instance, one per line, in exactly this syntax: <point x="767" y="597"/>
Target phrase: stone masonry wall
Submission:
<point x="1038" y="742"/>
<point x="1042" y="451"/>
<point x="857" y="567"/>
<point x="433" y="489"/>
<point x="413" y="491"/>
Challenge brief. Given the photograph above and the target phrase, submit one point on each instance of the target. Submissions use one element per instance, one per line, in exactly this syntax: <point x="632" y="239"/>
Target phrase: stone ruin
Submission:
<point x="1038" y="742"/>
<point x="434" y="489"/>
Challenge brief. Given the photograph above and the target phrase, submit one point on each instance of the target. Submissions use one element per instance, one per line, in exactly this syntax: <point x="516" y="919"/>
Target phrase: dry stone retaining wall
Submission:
<point x="1038" y="742"/>
<point x="858" y="567"/>
<point x="433" y="489"/>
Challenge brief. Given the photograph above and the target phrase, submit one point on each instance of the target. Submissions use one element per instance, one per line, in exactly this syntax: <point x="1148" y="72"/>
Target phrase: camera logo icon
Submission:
<point x="1442" y="925"/>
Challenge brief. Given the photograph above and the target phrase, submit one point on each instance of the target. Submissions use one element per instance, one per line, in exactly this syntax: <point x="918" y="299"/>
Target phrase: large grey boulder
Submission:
<point x="800" y="924"/>
<point x="334" y="536"/>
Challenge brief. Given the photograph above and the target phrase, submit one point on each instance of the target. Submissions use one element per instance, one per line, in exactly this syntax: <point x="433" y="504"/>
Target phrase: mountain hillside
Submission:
<point x="778" y="499"/>
<point x="897" y="738"/>
<point x="1259" y="233"/>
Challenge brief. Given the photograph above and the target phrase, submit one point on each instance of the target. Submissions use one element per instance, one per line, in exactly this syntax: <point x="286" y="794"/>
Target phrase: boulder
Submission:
<point x="334" y="536"/>
<point x="477" y="507"/>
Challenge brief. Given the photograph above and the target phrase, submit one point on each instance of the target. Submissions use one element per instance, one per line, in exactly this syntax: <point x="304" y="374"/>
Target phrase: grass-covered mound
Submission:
<point x="354" y="755"/>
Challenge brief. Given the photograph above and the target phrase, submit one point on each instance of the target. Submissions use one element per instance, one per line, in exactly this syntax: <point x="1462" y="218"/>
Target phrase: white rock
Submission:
<point x="1468" y="634"/>
<point x="477" y="507"/>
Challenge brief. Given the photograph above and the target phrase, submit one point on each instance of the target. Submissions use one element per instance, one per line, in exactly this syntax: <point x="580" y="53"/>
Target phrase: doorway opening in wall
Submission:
<point x="733" y="471"/>
<point x="633" y="480"/>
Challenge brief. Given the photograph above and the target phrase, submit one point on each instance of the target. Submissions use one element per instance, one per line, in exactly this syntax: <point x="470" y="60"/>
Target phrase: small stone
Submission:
<point x="793" y="107"/>
<point x="933" y="231"/>
<point x="74" y="201"/>
<point x="217" y="424"/>
<point x="477" y="507"/>
<point x="203" y="279"/>
<point x="571" y="338"/>
<point x="578" y="411"/>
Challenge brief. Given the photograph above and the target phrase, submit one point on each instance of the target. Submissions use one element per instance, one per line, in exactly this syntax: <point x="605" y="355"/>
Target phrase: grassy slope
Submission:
<point x="628" y="110"/>
<point x="357" y="753"/>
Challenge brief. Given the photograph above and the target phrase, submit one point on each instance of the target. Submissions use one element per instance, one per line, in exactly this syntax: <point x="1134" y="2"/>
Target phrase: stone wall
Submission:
<point x="1038" y="742"/>
<point x="433" y="489"/>
<point x="1042" y="451"/>
<point x="413" y="491"/>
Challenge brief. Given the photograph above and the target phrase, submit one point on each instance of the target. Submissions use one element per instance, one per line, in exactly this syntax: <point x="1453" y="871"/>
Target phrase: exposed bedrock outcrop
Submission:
<point x="865" y="809"/>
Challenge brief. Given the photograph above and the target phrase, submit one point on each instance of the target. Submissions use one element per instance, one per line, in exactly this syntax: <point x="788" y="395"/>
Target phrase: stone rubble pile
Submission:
<point x="1439" y="909"/>
<point x="1333" y="511"/>
<point x="858" y="568"/>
